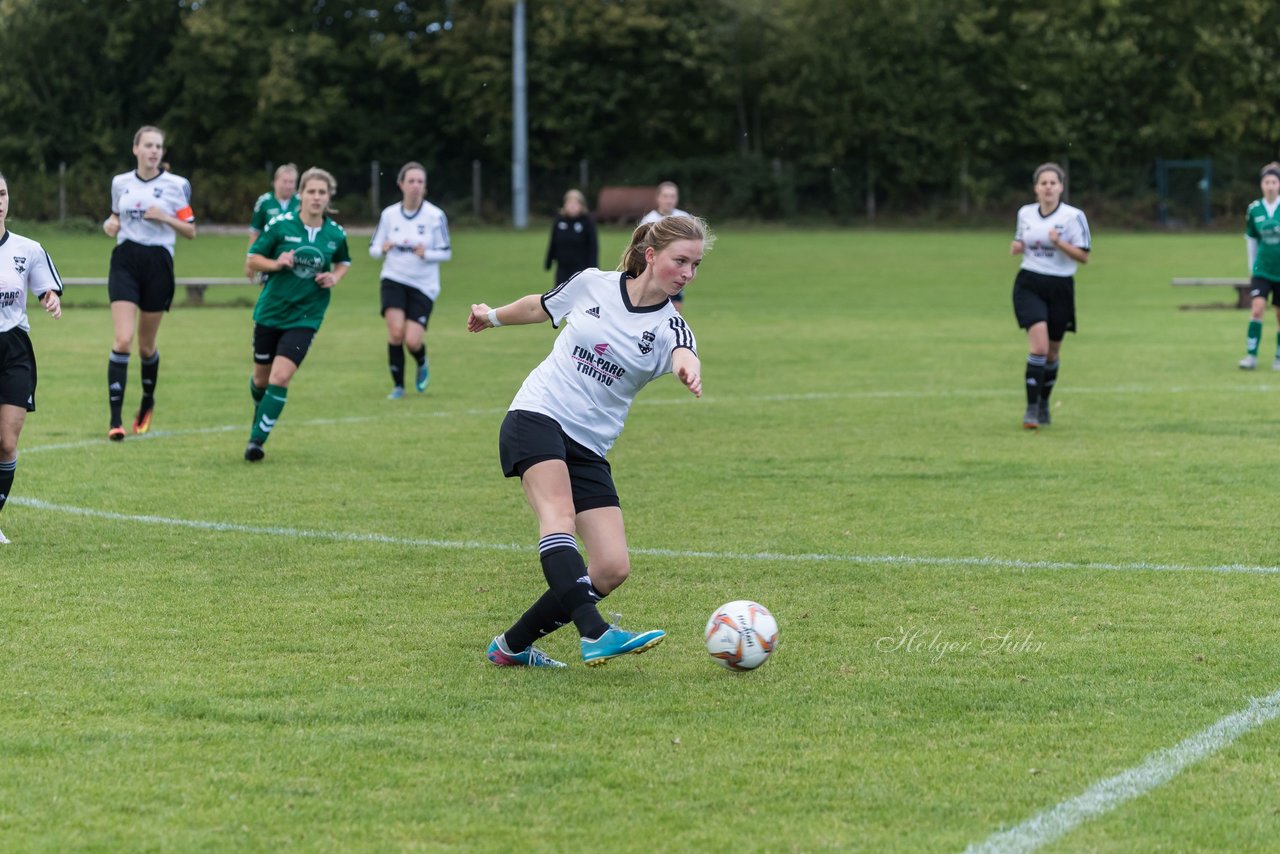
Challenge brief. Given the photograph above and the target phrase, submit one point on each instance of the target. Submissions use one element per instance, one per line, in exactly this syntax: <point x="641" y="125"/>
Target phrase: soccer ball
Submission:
<point x="741" y="635"/>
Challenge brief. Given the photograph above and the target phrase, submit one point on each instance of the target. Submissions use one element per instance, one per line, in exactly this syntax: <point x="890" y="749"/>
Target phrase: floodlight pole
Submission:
<point x="519" y="123"/>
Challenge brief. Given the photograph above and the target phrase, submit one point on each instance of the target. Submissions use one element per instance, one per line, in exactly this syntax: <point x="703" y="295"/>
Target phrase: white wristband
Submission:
<point x="493" y="317"/>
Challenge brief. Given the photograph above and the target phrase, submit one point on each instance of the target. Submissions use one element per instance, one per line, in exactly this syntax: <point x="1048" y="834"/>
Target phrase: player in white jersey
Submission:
<point x="25" y="268"/>
<point x="412" y="238"/>
<point x="623" y="333"/>
<point x="149" y="208"/>
<point x="666" y="200"/>
<point x="1053" y="238"/>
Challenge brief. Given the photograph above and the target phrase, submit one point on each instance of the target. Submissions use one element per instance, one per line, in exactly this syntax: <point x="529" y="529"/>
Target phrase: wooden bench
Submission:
<point x="624" y="204"/>
<point x="1242" y="286"/>
<point x="195" y="285"/>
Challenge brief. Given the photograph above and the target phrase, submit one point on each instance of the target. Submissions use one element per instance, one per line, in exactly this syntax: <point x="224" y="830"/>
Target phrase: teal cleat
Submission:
<point x="424" y="377"/>
<point x="616" y="642"/>
<point x="397" y="392"/>
<point x="531" y="657"/>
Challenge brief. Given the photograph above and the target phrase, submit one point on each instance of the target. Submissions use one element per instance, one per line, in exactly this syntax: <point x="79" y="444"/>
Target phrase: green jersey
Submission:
<point x="1265" y="228"/>
<point x="268" y="207"/>
<point x="291" y="298"/>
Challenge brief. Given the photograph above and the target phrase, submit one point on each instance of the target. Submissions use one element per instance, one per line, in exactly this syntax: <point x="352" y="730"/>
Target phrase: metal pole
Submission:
<point x="519" y="123"/>
<point x="62" y="191"/>
<point x="582" y="175"/>
<point x="375" y="198"/>
<point x="475" y="188"/>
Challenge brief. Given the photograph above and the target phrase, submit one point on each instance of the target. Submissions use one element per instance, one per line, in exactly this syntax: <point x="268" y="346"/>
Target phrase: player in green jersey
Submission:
<point x="1262" y="237"/>
<point x="283" y="198"/>
<point x="304" y="254"/>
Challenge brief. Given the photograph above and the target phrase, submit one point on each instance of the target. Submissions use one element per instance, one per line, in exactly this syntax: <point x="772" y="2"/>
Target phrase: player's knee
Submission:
<point x="8" y="448"/>
<point x="610" y="571"/>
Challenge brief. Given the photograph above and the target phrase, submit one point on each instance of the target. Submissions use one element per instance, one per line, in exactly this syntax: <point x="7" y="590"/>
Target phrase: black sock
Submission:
<point x="117" y="377"/>
<point x="566" y="575"/>
<point x="395" y="358"/>
<point x="7" y="471"/>
<point x="150" y="373"/>
<point x="543" y="617"/>
<point x="1050" y="377"/>
<point x="1035" y="378"/>
<point x="420" y="355"/>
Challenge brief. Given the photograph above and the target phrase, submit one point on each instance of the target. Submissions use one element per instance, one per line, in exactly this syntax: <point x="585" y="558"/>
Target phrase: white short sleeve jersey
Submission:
<point x="25" y="268"/>
<point x="654" y="216"/>
<point x="1041" y="256"/>
<point x="600" y="361"/>
<point x="428" y="227"/>
<point x="131" y="196"/>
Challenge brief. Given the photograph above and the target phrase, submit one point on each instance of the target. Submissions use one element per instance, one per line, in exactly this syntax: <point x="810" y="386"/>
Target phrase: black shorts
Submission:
<point x="17" y="370"/>
<point x="1038" y="298"/>
<point x="531" y="437"/>
<point x="142" y="275"/>
<point x="414" y="303"/>
<point x="1261" y="287"/>
<point x="269" y="342"/>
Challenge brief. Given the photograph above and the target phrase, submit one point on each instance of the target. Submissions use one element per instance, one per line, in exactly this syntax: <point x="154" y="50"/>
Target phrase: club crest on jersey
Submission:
<point x="20" y="263"/>
<point x="422" y="229"/>
<point x="646" y="343"/>
<point x="594" y="311"/>
<point x="601" y="349"/>
<point x="156" y="191"/>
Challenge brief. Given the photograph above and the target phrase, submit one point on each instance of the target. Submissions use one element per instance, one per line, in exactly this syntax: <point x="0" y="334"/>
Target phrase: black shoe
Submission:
<point x="253" y="452"/>
<point x="1031" y="420"/>
<point x="1045" y="418"/>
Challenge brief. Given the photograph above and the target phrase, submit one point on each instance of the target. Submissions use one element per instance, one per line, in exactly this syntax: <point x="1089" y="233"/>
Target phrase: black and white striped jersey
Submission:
<point x="25" y="268"/>
<point x="132" y="196"/>
<point x="1041" y="256"/>
<point x="609" y="350"/>
<point x="427" y="227"/>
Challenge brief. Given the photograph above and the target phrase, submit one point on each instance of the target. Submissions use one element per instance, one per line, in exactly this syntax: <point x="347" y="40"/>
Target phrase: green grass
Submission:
<point x="184" y="688"/>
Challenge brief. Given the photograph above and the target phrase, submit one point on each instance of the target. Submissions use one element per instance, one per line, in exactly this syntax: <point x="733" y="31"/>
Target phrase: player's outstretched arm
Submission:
<point x="688" y="369"/>
<point x="523" y="311"/>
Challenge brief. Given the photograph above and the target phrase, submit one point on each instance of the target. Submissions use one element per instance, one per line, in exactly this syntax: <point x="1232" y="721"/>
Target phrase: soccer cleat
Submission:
<point x="253" y="452"/>
<point x="1248" y="363"/>
<point x="142" y="423"/>
<point x="424" y="377"/>
<point x="396" y="393"/>
<point x="1275" y="366"/>
<point x="616" y="642"/>
<point x="531" y="657"/>
<point x="1043" y="413"/>
<point x="116" y="434"/>
<point x="1031" y="420"/>
<point x="3" y="539"/>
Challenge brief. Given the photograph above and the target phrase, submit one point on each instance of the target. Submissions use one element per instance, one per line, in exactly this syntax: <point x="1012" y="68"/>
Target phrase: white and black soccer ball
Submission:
<point x="741" y="635"/>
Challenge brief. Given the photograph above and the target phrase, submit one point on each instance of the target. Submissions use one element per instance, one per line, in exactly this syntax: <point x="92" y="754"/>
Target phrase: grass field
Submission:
<point x="203" y="654"/>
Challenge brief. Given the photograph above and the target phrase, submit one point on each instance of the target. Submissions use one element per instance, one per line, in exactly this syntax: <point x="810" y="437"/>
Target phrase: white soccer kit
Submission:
<point x="131" y="196"/>
<point x="427" y="226"/>
<point x="600" y="361"/>
<point x="654" y="215"/>
<point x="24" y="268"/>
<point x="1041" y="256"/>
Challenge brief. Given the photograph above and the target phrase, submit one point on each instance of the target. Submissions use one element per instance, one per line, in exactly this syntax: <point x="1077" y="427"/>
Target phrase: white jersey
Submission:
<point x="428" y="227"/>
<point x="654" y="215"/>
<point x="1041" y="256"/>
<point x="131" y="196"/>
<point x="25" y="268"/>
<point x="608" y="352"/>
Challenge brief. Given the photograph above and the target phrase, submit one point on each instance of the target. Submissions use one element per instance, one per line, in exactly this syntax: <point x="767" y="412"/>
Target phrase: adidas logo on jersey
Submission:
<point x="594" y="312"/>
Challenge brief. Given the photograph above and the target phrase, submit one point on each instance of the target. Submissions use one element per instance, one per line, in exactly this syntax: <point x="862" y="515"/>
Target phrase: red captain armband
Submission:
<point x="186" y="214"/>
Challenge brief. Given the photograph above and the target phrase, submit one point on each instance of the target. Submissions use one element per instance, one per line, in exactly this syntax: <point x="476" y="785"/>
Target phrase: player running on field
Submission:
<point x="304" y="254"/>
<point x="1262" y="239"/>
<point x="283" y="198"/>
<point x="24" y="268"/>
<point x="413" y="238"/>
<point x="149" y="208"/>
<point x="1052" y="237"/>
<point x="623" y="333"/>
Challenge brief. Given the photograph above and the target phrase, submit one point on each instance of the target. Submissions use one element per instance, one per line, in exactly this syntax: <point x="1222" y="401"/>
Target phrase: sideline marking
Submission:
<point x="861" y="560"/>
<point x="1156" y="770"/>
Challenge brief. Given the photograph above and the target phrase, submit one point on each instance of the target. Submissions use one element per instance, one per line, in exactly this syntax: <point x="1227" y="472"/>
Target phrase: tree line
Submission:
<point x="759" y="108"/>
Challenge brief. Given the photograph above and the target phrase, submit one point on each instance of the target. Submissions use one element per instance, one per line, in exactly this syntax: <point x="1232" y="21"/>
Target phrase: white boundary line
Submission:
<point x="1156" y="770"/>
<point x="474" y="545"/>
